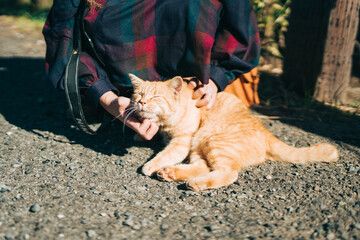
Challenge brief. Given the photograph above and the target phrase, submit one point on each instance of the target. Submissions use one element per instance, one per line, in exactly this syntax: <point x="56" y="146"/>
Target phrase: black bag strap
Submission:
<point x="71" y="83"/>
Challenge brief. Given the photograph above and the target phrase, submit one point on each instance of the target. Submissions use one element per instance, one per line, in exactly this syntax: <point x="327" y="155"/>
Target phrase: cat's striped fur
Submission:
<point x="219" y="142"/>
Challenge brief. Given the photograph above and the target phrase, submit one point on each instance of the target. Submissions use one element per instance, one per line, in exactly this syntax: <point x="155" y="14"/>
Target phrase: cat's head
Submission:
<point x="156" y="100"/>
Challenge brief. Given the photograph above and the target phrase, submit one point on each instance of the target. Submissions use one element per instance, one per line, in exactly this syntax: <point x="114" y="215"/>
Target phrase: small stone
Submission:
<point x="128" y="215"/>
<point x="103" y="214"/>
<point x="212" y="228"/>
<point x="2" y="199"/>
<point x="268" y="177"/>
<point x="136" y="227"/>
<point x="4" y="188"/>
<point x="60" y="216"/>
<point x="8" y="237"/>
<point x="357" y="225"/>
<point x="91" y="234"/>
<point x="35" y="208"/>
<point x="164" y="227"/>
<point x="144" y="222"/>
<point x="330" y="236"/>
<point x="317" y="188"/>
<point x="129" y="223"/>
<point x="112" y="199"/>
<point x="117" y="214"/>
<point x="120" y="163"/>
<point x="352" y="169"/>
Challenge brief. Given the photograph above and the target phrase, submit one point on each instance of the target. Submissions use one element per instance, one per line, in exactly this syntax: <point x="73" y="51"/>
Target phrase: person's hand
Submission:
<point x="205" y="93"/>
<point x="117" y="106"/>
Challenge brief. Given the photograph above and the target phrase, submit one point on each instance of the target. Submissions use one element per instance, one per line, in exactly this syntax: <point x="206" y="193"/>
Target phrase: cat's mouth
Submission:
<point x="149" y="115"/>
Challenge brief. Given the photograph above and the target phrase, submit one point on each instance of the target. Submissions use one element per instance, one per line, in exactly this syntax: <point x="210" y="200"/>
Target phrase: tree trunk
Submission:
<point x="319" y="46"/>
<point x="337" y="61"/>
<point x="305" y="41"/>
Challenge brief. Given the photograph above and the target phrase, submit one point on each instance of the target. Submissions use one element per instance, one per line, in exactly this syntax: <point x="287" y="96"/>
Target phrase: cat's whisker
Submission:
<point x="130" y="109"/>
<point x="117" y="117"/>
<point x="127" y="114"/>
<point x="124" y="112"/>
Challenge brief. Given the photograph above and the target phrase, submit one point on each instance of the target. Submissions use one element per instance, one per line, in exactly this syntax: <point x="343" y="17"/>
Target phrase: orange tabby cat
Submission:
<point x="219" y="142"/>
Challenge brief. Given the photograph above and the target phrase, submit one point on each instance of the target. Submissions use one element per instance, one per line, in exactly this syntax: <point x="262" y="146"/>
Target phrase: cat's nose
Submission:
<point x="142" y="102"/>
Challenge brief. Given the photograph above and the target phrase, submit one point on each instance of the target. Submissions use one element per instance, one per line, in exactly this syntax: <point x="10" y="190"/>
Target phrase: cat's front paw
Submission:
<point x="148" y="169"/>
<point x="166" y="174"/>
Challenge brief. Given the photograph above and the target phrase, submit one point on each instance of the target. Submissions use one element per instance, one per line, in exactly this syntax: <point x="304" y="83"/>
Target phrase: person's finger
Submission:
<point x="192" y="84"/>
<point x="133" y="123"/>
<point x="148" y="129"/>
<point x="144" y="126"/>
<point x="203" y="101"/>
<point x="199" y="93"/>
<point x="145" y="129"/>
<point x="151" y="131"/>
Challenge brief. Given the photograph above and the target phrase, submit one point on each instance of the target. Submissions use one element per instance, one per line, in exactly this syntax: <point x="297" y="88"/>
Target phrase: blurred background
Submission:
<point x="310" y="49"/>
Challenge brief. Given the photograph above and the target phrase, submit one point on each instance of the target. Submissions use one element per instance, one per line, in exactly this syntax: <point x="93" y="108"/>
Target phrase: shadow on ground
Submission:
<point x="284" y="104"/>
<point x="29" y="102"/>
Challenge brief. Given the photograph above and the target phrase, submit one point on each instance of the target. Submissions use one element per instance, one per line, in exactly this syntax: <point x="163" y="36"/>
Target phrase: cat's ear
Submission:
<point x="136" y="82"/>
<point x="176" y="84"/>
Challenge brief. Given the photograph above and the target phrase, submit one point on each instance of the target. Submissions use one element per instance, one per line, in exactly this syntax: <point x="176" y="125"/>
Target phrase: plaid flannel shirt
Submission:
<point x="154" y="39"/>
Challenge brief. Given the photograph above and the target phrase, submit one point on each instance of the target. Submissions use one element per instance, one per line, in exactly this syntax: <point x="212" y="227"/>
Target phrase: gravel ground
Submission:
<point x="58" y="183"/>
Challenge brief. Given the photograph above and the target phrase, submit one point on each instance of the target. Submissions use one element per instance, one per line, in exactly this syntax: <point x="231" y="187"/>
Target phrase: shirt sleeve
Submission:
<point x="93" y="80"/>
<point x="237" y="43"/>
<point x="58" y="34"/>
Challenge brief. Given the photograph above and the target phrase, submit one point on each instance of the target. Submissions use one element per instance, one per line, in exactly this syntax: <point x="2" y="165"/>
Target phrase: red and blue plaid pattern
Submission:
<point x="155" y="39"/>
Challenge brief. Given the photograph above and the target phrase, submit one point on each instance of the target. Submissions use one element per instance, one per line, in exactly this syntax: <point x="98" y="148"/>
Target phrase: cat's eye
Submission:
<point x="136" y="97"/>
<point x="154" y="97"/>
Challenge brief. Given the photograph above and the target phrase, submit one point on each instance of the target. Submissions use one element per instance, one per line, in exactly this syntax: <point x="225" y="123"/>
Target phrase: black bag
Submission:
<point x="71" y="83"/>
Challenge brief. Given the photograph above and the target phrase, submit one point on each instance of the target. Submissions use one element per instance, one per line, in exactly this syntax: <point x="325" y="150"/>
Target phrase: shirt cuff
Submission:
<point x="218" y="75"/>
<point x="97" y="89"/>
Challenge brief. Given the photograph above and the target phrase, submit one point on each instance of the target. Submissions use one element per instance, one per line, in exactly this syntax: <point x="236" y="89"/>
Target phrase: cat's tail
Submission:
<point x="280" y="151"/>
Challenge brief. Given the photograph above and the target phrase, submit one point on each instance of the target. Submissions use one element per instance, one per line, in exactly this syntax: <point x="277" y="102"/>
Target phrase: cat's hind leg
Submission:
<point x="214" y="179"/>
<point x="224" y="171"/>
<point x="197" y="166"/>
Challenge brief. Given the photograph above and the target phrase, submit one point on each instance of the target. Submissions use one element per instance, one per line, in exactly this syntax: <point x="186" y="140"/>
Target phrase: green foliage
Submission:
<point x="272" y="16"/>
<point x="23" y="8"/>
